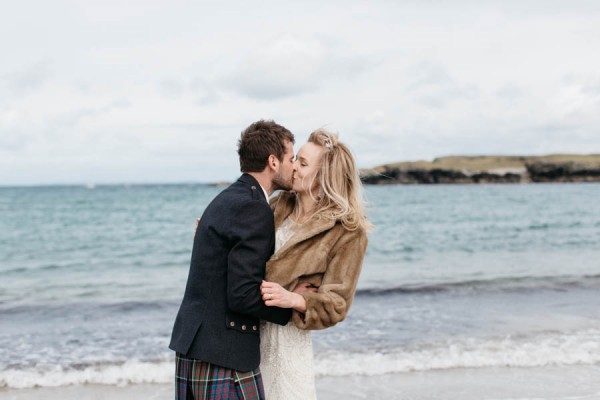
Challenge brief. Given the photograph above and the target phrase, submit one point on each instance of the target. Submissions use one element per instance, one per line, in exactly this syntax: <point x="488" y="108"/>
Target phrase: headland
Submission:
<point x="488" y="169"/>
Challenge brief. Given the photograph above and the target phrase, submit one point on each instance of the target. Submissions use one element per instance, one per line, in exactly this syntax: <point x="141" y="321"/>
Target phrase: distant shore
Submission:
<point x="488" y="169"/>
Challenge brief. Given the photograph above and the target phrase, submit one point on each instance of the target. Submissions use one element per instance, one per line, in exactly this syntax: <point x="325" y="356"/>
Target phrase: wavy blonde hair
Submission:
<point x="340" y="194"/>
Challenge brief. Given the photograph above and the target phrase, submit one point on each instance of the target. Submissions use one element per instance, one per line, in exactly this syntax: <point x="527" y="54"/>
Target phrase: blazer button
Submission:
<point x="253" y="327"/>
<point x="232" y="323"/>
<point x="253" y="187"/>
<point x="243" y="327"/>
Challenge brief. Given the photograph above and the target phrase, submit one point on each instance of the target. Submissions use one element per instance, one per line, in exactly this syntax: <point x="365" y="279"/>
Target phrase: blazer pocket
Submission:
<point x="241" y="324"/>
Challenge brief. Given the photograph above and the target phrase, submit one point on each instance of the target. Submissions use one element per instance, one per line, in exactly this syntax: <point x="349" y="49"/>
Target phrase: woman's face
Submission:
<point x="306" y="167"/>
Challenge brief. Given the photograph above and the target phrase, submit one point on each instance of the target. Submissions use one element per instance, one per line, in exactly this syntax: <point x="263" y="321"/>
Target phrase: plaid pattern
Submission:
<point x="196" y="380"/>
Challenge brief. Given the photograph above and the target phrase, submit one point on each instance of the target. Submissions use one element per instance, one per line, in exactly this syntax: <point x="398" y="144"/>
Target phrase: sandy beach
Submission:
<point x="548" y="383"/>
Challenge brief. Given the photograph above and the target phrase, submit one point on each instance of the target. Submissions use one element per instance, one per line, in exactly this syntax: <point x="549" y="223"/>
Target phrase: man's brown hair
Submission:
<point x="259" y="141"/>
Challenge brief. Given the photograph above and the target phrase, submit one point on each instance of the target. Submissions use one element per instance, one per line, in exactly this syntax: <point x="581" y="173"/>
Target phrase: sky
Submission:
<point x="159" y="91"/>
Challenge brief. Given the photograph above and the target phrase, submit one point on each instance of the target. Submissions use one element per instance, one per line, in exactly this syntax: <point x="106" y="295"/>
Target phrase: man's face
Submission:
<point x="283" y="178"/>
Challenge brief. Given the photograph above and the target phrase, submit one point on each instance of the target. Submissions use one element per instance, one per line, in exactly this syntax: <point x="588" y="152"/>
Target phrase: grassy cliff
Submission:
<point x="489" y="169"/>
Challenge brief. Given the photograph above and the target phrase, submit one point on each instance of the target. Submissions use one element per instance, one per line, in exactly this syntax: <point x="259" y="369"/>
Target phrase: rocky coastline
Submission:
<point x="488" y="170"/>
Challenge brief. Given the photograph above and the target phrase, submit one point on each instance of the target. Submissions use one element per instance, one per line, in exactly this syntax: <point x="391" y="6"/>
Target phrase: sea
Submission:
<point x="455" y="277"/>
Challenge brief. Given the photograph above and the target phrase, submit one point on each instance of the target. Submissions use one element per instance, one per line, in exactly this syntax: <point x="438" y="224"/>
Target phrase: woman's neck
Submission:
<point x="305" y="207"/>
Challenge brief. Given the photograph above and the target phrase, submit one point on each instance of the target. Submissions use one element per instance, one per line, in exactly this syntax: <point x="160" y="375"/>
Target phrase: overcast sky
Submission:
<point x="159" y="91"/>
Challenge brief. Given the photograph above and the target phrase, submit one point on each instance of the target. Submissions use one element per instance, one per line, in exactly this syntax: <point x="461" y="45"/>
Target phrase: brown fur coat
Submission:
<point x="323" y="253"/>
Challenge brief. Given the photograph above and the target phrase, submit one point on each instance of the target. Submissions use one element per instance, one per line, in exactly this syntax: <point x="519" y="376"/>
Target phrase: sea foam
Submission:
<point x="129" y="372"/>
<point x="544" y="349"/>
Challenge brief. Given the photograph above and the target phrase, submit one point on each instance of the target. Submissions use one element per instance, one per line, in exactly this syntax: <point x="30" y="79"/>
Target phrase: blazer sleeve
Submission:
<point x="252" y="236"/>
<point x="331" y="303"/>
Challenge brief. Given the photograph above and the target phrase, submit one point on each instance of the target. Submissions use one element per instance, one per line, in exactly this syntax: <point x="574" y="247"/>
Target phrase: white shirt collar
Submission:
<point x="265" y="192"/>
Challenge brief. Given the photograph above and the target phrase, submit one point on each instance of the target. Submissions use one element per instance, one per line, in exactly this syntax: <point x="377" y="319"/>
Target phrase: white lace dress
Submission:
<point x="286" y="351"/>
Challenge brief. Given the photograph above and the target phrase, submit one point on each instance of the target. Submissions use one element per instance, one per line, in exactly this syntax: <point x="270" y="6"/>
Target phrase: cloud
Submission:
<point x="72" y="118"/>
<point x="284" y="67"/>
<point x="198" y="90"/>
<point x="12" y="141"/>
<point x="509" y="93"/>
<point x="19" y="82"/>
<point x="588" y="86"/>
<point x="171" y="88"/>
<point x="431" y="84"/>
<point x="292" y="65"/>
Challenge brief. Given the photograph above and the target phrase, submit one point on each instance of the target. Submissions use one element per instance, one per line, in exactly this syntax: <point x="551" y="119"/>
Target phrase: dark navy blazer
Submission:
<point x="218" y="320"/>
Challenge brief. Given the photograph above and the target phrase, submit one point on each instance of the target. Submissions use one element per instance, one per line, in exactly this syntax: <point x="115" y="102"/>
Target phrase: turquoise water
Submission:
<point x="455" y="277"/>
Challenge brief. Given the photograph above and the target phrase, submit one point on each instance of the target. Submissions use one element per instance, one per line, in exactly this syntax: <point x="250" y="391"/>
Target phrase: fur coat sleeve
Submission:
<point x="331" y="303"/>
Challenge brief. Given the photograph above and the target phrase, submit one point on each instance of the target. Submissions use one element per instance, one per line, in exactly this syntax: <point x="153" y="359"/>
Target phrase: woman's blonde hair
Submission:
<point x="340" y="194"/>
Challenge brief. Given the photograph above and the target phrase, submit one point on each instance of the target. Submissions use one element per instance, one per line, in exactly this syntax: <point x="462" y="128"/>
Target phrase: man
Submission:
<point x="216" y="332"/>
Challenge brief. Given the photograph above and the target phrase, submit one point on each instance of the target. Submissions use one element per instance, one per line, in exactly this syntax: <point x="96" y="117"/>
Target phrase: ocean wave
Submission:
<point x="544" y="349"/>
<point x="129" y="372"/>
<point x="504" y="284"/>
<point x="61" y="309"/>
<point x="11" y="271"/>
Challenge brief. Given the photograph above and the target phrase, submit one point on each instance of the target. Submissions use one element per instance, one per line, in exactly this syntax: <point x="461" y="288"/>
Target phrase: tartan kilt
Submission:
<point x="196" y="379"/>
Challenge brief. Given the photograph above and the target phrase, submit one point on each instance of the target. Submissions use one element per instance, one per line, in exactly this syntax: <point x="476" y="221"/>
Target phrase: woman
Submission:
<point x="320" y="245"/>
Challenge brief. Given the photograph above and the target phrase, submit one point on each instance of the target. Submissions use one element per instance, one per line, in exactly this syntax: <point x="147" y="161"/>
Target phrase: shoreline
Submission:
<point x="578" y="382"/>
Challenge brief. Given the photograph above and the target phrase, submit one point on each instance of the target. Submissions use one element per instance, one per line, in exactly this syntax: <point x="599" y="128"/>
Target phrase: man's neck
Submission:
<point x="264" y="181"/>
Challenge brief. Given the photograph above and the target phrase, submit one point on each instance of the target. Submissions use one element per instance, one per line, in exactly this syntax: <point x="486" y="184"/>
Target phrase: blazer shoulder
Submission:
<point x="241" y="191"/>
<point x="237" y="201"/>
<point x="249" y="199"/>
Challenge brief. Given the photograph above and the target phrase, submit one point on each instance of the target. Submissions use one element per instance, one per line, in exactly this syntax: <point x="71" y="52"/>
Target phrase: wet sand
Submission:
<point x="547" y="383"/>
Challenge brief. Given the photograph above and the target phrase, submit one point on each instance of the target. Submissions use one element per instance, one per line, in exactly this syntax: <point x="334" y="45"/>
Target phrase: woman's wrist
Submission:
<point x="299" y="303"/>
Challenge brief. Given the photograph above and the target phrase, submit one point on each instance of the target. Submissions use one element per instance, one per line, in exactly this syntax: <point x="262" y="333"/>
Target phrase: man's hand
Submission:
<point x="305" y="287"/>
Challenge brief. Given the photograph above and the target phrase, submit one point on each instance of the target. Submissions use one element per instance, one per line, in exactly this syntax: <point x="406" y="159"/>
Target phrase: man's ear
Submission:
<point x="273" y="162"/>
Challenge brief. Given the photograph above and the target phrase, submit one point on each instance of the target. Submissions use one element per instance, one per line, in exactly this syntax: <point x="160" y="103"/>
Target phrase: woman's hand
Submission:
<point x="196" y="229"/>
<point x="276" y="296"/>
